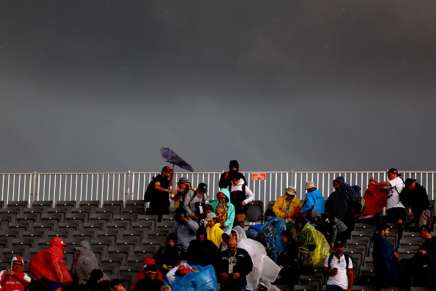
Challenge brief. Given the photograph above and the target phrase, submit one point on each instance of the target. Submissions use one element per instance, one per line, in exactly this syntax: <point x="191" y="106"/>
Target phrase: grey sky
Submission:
<point x="102" y="85"/>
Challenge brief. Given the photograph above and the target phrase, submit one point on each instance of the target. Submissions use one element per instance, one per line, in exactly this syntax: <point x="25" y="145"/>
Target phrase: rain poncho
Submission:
<point x="272" y="230"/>
<point x="257" y="253"/>
<point x="198" y="278"/>
<point x="44" y="263"/>
<point x="287" y="209"/>
<point x="214" y="234"/>
<point x="313" y="240"/>
<point x="225" y="212"/>
<point x="375" y="199"/>
<point x="85" y="262"/>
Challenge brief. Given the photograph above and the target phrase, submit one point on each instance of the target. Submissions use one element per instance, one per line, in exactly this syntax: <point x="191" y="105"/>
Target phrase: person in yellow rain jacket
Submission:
<point x="213" y="229"/>
<point x="288" y="205"/>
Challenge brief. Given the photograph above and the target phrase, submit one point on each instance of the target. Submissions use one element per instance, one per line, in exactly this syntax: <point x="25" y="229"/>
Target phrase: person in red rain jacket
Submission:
<point x="14" y="279"/>
<point x="48" y="264"/>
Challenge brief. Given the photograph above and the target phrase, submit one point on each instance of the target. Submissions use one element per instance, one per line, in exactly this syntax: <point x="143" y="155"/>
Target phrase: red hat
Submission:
<point x="18" y="259"/>
<point x="150" y="264"/>
<point x="57" y="241"/>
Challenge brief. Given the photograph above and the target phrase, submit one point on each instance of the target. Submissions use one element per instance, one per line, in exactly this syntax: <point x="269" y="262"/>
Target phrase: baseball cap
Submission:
<point x="150" y="264"/>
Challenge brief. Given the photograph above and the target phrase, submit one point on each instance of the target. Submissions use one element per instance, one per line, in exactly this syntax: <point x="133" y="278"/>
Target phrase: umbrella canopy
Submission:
<point x="171" y="157"/>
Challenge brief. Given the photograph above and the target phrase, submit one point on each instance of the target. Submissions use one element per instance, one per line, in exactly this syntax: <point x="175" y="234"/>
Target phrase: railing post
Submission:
<point x="129" y="188"/>
<point x="32" y="186"/>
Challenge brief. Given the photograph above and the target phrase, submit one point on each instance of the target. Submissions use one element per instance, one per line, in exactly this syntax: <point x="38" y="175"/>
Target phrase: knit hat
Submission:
<point x="309" y="185"/>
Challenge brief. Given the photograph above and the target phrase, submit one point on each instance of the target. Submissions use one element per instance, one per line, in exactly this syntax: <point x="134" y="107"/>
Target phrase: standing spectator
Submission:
<point x="14" y="279"/>
<point x="339" y="269"/>
<point x="225" y="179"/>
<point x="84" y="262"/>
<point x="202" y="251"/>
<point x="234" y="266"/>
<point x="313" y="205"/>
<point x="385" y="258"/>
<point x="196" y="201"/>
<point x="415" y="197"/>
<point x="428" y="253"/>
<point x="333" y="229"/>
<point x="150" y="282"/>
<point x="313" y="241"/>
<point x="49" y="265"/>
<point x="240" y="194"/>
<point x="288" y="205"/>
<point x="375" y="200"/>
<point x="213" y="229"/>
<point x="395" y="209"/>
<point x="158" y="192"/>
<point x="168" y="256"/>
<point x="185" y="229"/>
<point x="182" y="190"/>
<point x="224" y="210"/>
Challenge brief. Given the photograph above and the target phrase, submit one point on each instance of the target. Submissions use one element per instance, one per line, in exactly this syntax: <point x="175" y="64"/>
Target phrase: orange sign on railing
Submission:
<point x="259" y="176"/>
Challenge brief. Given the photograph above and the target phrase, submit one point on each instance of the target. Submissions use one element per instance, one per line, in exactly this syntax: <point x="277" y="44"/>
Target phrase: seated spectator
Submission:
<point x="49" y="265"/>
<point x="225" y="178"/>
<point x="117" y="285"/>
<point x="415" y="197"/>
<point x="240" y="194"/>
<point x="96" y="281"/>
<point x="313" y="205"/>
<point x="202" y="251"/>
<point x="196" y="201"/>
<point x="385" y="258"/>
<point x="271" y="232"/>
<point x="158" y="192"/>
<point x="168" y="256"/>
<point x="224" y="210"/>
<point x="288" y="205"/>
<point x="83" y="263"/>
<point x="339" y="269"/>
<point x="14" y="279"/>
<point x="213" y="229"/>
<point x="151" y="280"/>
<point x="375" y="200"/>
<point x="140" y="275"/>
<point x="182" y="190"/>
<point x="288" y="261"/>
<point x="234" y="265"/>
<point x="185" y="229"/>
<point x="313" y="241"/>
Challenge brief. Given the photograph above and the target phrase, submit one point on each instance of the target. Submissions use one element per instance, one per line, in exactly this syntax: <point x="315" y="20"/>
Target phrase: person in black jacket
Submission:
<point x="168" y="256"/>
<point x="158" y="192"/>
<point x="202" y="251"/>
<point x="288" y="260"/>
<point x="150" y="282"/>
<point x="415" y="197"/>
<point x="234" y="266"/>
<point x="226" y="177"/>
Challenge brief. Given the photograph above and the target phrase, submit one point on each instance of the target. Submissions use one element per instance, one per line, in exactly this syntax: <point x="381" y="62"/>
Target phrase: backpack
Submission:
<point x="347" y="260"/>
<point x="150" y="189"/>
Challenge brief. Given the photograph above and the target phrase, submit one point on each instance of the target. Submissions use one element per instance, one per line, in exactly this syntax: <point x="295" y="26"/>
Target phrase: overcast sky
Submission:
<point x="102" y="85"/>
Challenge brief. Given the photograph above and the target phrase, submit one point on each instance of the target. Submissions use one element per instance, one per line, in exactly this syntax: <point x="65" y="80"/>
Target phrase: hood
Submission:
<point x="226" y="192"/>
<point x="85" y="244"/>
<point x="240" y="233"/>
<point x="340" y="179"/>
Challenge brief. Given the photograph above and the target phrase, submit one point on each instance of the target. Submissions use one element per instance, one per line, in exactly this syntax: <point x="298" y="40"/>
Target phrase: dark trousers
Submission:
<point x="333" y="288"/>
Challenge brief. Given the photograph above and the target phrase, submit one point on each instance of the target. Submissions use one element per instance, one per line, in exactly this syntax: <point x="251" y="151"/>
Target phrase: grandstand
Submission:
<point x="121" y="234"/>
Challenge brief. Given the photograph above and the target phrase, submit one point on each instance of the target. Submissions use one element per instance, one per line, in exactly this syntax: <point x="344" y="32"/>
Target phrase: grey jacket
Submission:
<point x="186" y="232"/>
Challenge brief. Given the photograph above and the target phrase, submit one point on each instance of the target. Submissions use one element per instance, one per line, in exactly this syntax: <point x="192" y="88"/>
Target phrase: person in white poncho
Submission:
<point x="260" y="259"/>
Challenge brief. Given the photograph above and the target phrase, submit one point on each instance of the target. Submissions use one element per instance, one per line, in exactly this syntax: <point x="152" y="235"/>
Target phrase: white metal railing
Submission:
<point x="123" y="186"/>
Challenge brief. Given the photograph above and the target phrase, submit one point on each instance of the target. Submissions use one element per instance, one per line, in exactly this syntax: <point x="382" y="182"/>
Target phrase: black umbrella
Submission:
<point x="171" y="157"/>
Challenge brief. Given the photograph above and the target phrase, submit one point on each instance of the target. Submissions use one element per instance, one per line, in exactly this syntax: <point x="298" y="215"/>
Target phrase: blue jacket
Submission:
<point x="315" y="200"/>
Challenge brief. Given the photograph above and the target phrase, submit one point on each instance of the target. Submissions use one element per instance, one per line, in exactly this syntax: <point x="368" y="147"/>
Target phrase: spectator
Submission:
<point x="150" y="281"/>
<point x="288" y="205"/>
<point x="84" y="262"/>
<point x="196" y="201"/>
<point x="202" y="251"/>
<point x="395" y="209"/>
<point x="415" y="197"/>
<point x="183" y="188"/>
<point x="49" y="265"/>
<point x="158" y="192"/>
<point x="235" y="264"/>
<point x="427" y="251"/>
<point x="117" y="285"/>
<point x="375" y="200"/>
<point x="224" y="210"/>
<point x="313" y="205"/>
<point x="313" y="241"/>
<point x="225" y="179"/>
<point x="339" y="204"/>
<point x="185" y="229"/>
<point x="333" y="229"/>
<point x="213" y="229"/>
<point x="168" y="256"/>
<point x="14" y="278"/>
<point x="288" y="261"/>
<point x="339" y="269"/>
<point x="385" y="259"/>
<point x="271" y="232"/>
<point x="240" y="194"/>
<point x="97" y="282"/>
<point x="141" y="275"/>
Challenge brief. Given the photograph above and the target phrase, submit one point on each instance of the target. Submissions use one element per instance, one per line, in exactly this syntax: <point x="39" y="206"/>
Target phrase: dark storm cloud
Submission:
<point x="90" y="85"/>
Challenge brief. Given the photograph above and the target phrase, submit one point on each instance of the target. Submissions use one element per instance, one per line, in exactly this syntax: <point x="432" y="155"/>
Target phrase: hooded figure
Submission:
<point x="375" y="199"/>
<point x="14" y="279"/>
<point x="202" y="251"/>
<point x="49" y="264"/>
<point x="224" y="209"/>
<point x="257" y="253"/>
<point x="84" y="263"/>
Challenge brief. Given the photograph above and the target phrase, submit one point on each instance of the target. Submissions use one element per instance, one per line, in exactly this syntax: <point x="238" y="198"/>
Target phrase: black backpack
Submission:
<point x="347" y="260"/>
<point x="150" y="189"/>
